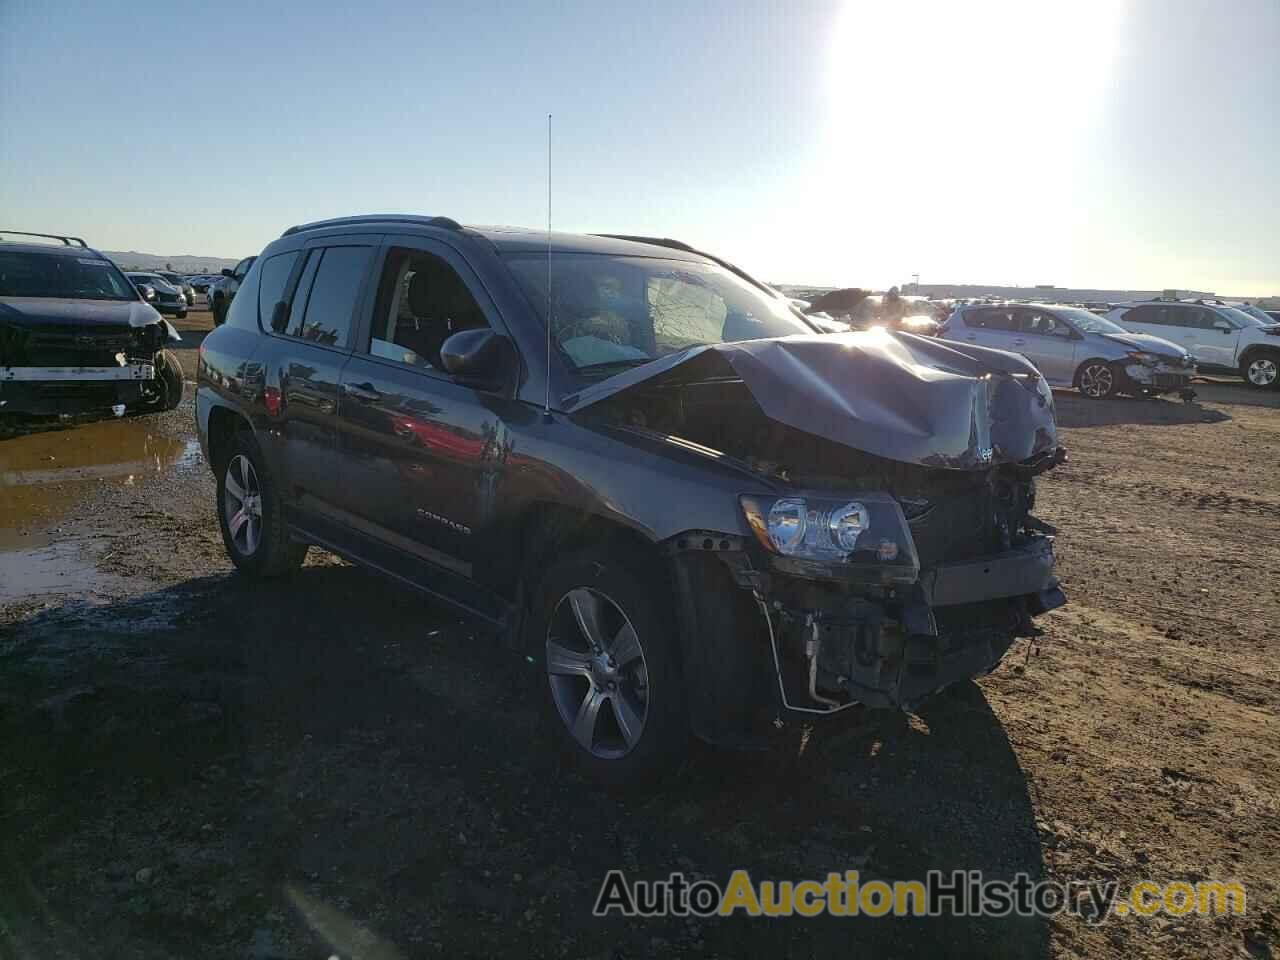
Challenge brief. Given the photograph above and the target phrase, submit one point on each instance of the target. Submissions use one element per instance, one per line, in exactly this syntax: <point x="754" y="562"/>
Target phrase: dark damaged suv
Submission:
<point x="695" y="512"/>
<point x="76" y="336"/>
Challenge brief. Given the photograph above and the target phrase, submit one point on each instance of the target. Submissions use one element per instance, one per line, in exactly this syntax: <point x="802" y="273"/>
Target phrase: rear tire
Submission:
<point x="1261" y="369"/>
<point x="619" y="709"/>
<point x="1098" y="379"/>
<point x="251" y="514"/>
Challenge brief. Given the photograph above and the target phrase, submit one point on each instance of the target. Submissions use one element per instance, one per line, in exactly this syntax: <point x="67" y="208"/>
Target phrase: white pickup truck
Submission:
<point x="1221" y="338"/>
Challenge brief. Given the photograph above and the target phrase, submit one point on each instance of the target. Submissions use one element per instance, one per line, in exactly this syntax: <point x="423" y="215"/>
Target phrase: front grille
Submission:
<point x="76" y="346"/>
<point x="1170" y="379"/>
<point x="978" y="521"/>
<point x="960" y="526"/>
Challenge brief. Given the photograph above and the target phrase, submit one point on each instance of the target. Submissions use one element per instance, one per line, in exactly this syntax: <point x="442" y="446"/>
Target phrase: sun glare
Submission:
<point x="941" y="111"/>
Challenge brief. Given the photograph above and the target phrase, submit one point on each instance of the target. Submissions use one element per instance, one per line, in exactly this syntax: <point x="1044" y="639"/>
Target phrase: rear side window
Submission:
<point x="991" y="318"/>
<point x="275" y="274"/>
<point x="1146" y="314"/>
<point x="331" y="302"/>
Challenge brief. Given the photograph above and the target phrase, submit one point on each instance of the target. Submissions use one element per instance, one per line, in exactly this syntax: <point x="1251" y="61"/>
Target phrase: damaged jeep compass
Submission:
<point x="693" y="511"/>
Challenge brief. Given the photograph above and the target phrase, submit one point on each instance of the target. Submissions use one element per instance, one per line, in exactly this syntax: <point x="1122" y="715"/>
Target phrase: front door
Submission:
<point x="1207" y="335"/>
<point x="1047" y="342"/>
<point x="421" y="451"/>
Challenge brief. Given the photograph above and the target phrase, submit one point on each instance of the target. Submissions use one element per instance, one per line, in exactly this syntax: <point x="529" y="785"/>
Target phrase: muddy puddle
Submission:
<point x="62" y="567"/>
<point x="44" y="475"/>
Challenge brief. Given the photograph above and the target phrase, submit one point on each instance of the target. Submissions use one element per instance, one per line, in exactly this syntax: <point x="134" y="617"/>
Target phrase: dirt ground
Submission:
<point x="193" y="766"/>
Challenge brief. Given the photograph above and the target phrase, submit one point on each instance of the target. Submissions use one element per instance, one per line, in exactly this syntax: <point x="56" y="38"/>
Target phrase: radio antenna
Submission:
<point x="546" y="369"/>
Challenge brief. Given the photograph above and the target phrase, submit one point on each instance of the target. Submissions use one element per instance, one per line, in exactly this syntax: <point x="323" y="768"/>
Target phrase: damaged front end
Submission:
<point x="895" y="550"/>
<point x="61" y="367"/>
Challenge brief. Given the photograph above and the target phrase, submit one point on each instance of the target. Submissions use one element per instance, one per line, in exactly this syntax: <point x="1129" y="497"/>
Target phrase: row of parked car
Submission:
<point x="1141" y="348"/>
<point x="172" y="294"/>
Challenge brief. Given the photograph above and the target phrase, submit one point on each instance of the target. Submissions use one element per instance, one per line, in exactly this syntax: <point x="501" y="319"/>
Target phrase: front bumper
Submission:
<point x="43" y="391"/>
<point x="178" y="309"/>
<point x="759" y="643"/>
<point x="1164" y="377"/>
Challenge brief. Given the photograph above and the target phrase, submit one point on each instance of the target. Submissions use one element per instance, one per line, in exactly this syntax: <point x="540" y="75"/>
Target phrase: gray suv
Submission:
<point x="1072" y="347"/>
<point x="690" y="510"/>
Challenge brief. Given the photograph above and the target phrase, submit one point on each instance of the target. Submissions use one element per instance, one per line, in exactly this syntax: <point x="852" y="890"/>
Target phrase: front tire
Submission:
<point x="251" y="514"/>
<point x="170" y="374"/>
<point x="602" y="629"/>
<point x="1261" y="370"/>
<point x="1097" y="379"/>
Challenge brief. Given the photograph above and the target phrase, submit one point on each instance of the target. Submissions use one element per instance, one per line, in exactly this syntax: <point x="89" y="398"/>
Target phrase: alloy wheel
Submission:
<point x="1262" y="372"/>
<point x="597" y="671"/>
<point x="242" y="504"/>
<point x="1096" y="380"/>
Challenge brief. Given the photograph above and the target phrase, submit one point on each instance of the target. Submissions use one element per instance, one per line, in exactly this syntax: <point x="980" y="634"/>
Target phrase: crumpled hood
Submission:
<point x="895" y="395"/>
<point x="1145" y="341"/>
<point x="32" y="311"/>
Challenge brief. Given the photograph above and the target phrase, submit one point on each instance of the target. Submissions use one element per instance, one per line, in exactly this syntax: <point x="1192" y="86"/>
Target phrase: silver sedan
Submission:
<point x="1072" y="347"/>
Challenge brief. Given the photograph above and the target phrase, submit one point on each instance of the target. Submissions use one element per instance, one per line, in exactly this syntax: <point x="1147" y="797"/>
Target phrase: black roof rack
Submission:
<point x="66" y="241"/>
<point x="421" y="221"/>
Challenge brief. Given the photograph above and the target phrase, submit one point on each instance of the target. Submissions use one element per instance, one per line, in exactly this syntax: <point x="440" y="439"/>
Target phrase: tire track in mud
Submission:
<point x="1144" y="491"/>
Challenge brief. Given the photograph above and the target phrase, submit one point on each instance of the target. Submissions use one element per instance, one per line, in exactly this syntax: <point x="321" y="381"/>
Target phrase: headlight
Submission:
<point x="1141" y="356"/>
<point x="865" y="538"/>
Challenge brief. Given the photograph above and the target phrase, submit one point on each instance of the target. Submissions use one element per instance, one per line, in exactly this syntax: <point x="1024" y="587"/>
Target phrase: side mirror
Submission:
<point x="478" y="358"/>
<point x="148" y="292"/>
<point x="280" y="316"/>
<point x="1223" y="326"/>
<point x="228" y="272"/>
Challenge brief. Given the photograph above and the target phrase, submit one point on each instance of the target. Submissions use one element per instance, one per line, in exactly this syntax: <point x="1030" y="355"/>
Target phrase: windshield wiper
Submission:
<point x="623" y="363"/>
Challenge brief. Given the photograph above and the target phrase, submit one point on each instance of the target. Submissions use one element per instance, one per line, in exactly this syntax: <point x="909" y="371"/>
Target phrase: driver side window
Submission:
<point x="421" y="303"/>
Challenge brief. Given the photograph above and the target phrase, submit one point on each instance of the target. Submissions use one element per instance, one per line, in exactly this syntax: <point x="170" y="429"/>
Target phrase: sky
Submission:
<point x="1124" y="144"/>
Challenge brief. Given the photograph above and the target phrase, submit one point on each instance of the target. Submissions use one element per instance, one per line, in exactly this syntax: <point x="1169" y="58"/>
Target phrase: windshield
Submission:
<point x="1087" y="322"/>
<point x="1256" y="316"/>
<point x="617" y="311"/>
<point x="1240" y="318"/>
<point x="26" y="274"/>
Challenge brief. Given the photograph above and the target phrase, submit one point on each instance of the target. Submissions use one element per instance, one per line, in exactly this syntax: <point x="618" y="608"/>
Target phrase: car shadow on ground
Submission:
<point x="332" y="757"/>
<point x="1075" y="410"/>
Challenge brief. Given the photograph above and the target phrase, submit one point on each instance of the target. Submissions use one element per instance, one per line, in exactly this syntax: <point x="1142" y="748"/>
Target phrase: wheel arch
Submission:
<point x="224" y="424"/>
<point x="547" y="529"/>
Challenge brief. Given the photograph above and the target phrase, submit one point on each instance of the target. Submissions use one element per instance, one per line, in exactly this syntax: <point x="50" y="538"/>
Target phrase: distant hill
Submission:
<point x="181" y="263"/>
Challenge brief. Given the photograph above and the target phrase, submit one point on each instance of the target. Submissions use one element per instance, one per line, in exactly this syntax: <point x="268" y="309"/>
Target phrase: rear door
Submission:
<point x="990" y="327"/>
<point x="1216" y="338"/>
<point x="1047" y="342"/>
<point x="328" y="282"/>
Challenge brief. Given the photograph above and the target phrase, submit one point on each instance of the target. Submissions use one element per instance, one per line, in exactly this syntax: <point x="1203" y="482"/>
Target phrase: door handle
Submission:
<point x="1019" y="342"/>
<point x="363" y="392"/>
<point x="970" y="336"/>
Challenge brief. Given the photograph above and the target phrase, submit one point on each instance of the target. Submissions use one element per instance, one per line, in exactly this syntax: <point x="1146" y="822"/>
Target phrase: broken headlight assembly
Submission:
<point x="864" y="537"/>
